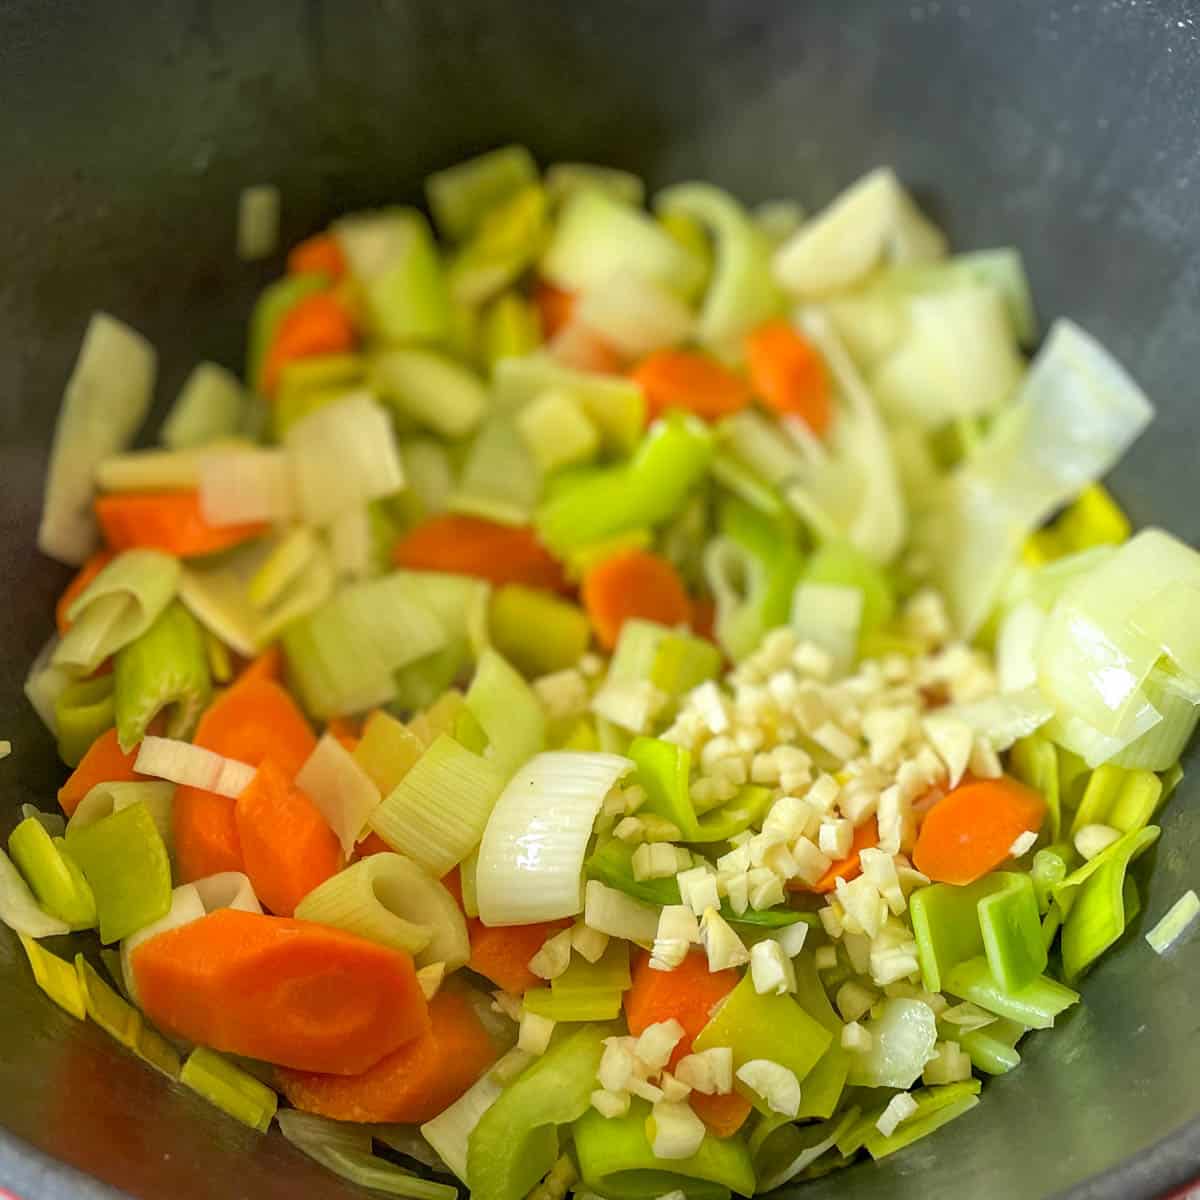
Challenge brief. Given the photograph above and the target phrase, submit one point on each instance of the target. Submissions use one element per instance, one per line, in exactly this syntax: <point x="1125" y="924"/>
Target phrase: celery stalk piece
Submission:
<point x="105" y="401"/>
<point x="434" y="391"/>
<point x="1126" y="800"/>
<point x="537" y="632"/>
<point x="500" y="479"/>
<point x="509" y="238"/>
<point x="742" y="292"/>
<point x="273" y="304"/>
<point x="118" y="1018"/>
<point x="53" y="878"/>
<point x="209" y="406"/>
<point x="58" y="978"/>
<point x="1034" y="761"/>
<point x="596" y="237"/>
<point x="769" y="1027"/>
<point x="616" y="1158"/>
<point x="510" y="328"/>
<point x="126" y="864"/>
<point x="393" y="257"/>
<point x="460" y="196"/>
<point x="1012" y="932"/>
<point x="925" y="1120"/>
<point x="229" y="1088"/>
<point x="19" y="909"/>
<point x="437" y="813"/>
<point x="508" y="712"/>
<point x="515" y="1141"/>
<point x="663" y="769"/>
<point x="823" y="1087"/>
<point x="83" y="710"/>
<point x="945" y="921"/>
<point x="387" y="750"/>
<point x="564" y="179"/>
<point x="118" y="606"/>
<point x="1035" y="1005"/>
<point x="165" y="668"/>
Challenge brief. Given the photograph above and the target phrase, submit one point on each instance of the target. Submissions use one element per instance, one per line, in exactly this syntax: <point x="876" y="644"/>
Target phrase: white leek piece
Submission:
<point x="531" y="857"/>
<point x="635" y="314"/>
<point x="238" y="486"/>
<point x="105" y="402"/>
<point x="340" y="788"/>
<point x="104" y="799"/>
<point x="45" y="683"/>
<point x="432" y="390"/>
<point x="227" y="889"/>
<point x="508" y="711"/>
<point x="193" y="766"/>
<point x="1003" y="718"/>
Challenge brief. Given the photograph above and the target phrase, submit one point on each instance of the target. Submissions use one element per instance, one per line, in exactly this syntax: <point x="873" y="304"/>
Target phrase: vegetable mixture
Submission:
<point x="632" y="703"/>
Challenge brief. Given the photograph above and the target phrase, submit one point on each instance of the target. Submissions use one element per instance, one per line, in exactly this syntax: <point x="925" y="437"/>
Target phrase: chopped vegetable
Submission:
<point x="633" y="584"/>
<point x="172" y="522"/>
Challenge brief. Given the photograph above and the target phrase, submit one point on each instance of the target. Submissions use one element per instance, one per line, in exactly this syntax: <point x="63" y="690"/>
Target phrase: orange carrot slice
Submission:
<point x="633" y="584"/>
<point x="103" y="762"/>
<point x="167" y="521"/>
<point x="691" y="381"/>
<point x="318" y="324"/>
<point x="555" y="307"/>
<point x="848" y="868"/>
<point x="723" y="1115"/>
<point x="502" y="953"/>
<point x="318" y="255"/>
<point x="788" y="374"/>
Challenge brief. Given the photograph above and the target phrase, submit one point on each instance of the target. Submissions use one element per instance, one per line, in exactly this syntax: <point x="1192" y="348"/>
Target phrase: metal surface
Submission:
<point x="126" y="131"/>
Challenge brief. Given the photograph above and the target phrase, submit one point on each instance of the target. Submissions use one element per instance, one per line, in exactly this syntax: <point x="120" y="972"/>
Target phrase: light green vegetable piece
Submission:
<point x="52" y="875"/>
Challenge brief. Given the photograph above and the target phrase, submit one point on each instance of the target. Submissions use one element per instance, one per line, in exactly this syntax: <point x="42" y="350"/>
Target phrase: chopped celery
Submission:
<point x="992" y="1049"/>
<point x="823" y="1087"/>
<point x="105" y="401"/>
<point x="500" y="479"/>
<point x="508" y="711"/>
<point x="393" y="257"/>
<point x="537" y="632"/>
<point x="663" y="769"/>
<point x="111" y="1012"/>
<point x="430" y="389"/>
<point x="1125" y="800"/>
<point x="53" y="876"/>
<point x="557" y="431"/>
<point x="507" y="241"/>
<point x="945" y="921"/>
<point x="936" y="1107"/>
<point x="462" y="195"/>
<point x="82" y="712"/>
<point x="118" y="606"/>
<point x="1035" y="1005"/>
<point x="125" y="862"/>
<point x="1034" y="761"/>
<point x="165" y="668"/>
<point x="386" y="750"/>
<point x="209" y="406"/>
<point x="616" y="1158"/>
<point x="510" y="328"/>
<point x="437" y="812"/>
<point x="844" y="564"/>
<point x="230" y="1088"/>
<point x="769" y="1027"/>
<point x="515" y="1141"/>
<point x="564" y="179"/>
<point x="57" y="978"/>
<point x="273" y="304"/>
<point x="1012" y="933"/>
<point x="586" y="991"/>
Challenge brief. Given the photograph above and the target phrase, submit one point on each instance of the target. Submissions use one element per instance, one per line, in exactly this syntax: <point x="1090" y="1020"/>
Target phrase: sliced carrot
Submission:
<point x="413" y="1084"/>
<point x="83" y="577"/>
<point x="970" y="831"/>
<point x="633" y="584"/>
<point x="318" y="324"/>
<point x="502" y="953"/>
<point x="268" y="665"/>
<point x="691" y="381"/>
<point x="848" y="868"/>
<point x="103" y="762"/>
<point x="167" y="521"/>
<point x="289" y="992"/>
<point x="466" y="545"/>
<point x="287" y="844"/>
<point x="318" y="255"/>
<point x="723" y="1115"/>
<point x="788" y="374"/>
<point x="555" y="307"/>
<point x="688" y="994"/>
<point x="252" y="720"/>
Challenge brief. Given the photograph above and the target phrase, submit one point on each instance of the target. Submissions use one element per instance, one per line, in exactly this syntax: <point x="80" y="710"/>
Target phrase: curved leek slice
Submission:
<point x="58" y="979"/>
<point x="742" y="291"/>
<point x="56" y="881"/>
<point x="340" y="788"/>
<point x="1034" y="1006"/>
<point x="209" y="406"/>
<point x="501" y="479"/>
<point x="193" y="766"/>
<point x="430" y="389"/>
<point x="1125" y="800"/>
<point x="119" y="605"/>
<point x="251" y="484"/>
<point x="18" y="908"/>
<point x="44" y="684"/>
<point x="228" y="889"/>
<point x="460" y="196"/>
<point x="531" y="856"/>
<point x="104" y="799"/>
<point x="635" y="315"/>
<point x="508" y="711"/>
<point x="83" y="710"/>
<point x="663" y="769"/>
<point x="1034" y="761"/>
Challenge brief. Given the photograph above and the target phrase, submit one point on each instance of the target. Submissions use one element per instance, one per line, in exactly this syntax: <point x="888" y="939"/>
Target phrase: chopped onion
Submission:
<point x="531" y="856"/>
<point x="193" y="766"/>
<point x="238" y="486"/>
<point x="902" y="1041"/>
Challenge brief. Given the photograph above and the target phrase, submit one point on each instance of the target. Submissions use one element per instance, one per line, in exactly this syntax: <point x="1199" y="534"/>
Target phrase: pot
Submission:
<point x="126" y="132"/>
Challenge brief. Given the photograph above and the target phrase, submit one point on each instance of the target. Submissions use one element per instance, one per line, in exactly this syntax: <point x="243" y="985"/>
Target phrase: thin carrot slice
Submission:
<point x="287" y="844"/>
<point x="691" y="381"/>
<point x="788" y="374"/>
<point x="413" y="1084"/>
<point x="206" y="834"/>
<point x="289" y="992"/>
<point x="318" y="255"/>
<point x="318" y="324"/>
<point x="970" y="831"/>
<point x="555" y="307"/>
<point x="103" y="762"/>
<point x="83" y="577"/>
<point x="502" y="953"/>
<point x="848" y="868"/>
<point x="465" y="545"/>
<point x="688" y="994"/>
<point x="633" y="584"/>
<point x="167" y="521"/>
<point x="723" y="1115"/>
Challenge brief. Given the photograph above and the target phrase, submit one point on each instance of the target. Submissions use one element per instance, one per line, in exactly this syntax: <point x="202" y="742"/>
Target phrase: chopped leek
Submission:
<point x="230" y="1088"/>
<point x="585" y="991"/>
<point x="192" y="766"/>
<point x="992" y="1049"/>
<point x="508" y="711"/>
<point x="45" y="683"/>
<point x="125" y="862"/>
<point x="1174" y="923"/>
<point x="82" y="712"/>
<point x="564" y="179"/>
<point x="500" y="479"/>
<point x="343" y="791"/>
<point x="824" y="1084"/>
<point x="663" y="769"/>
<point x="437" y="813"/>
<point x="430" y="389"/>
<point x="672" y="661"/>
<point x="1012" y="934"/>
<point x="57" y="978"/>
<point x="51" y="873"/>
<point x="829" y="615"/>
<point x="106" y="400"/>
<point x="945" y="921"/>
<point x="242" y="485"/>
<point x="537" y="632"/>
<point x="19" y="910"/>
<point x="1124" y="800"/>
<point x="119" y="1019"/>
<point x="151" y="470"/>
<point x="1035" y="1005"/>
<point x="508" y="239"/>
<point x="1034" y="761"/>
<point x="635" y="315"/>
<point x="386" y="750"/>
<point x="842" y="564"/>
<point x="117" y="607"/>
<point x="166" y="668"/>
<point x="747" y="808"/>
<point x="209" y="406"/>
<point x="510" y="328"/>
<point x="557" y="431"/>
<point x="936" y="1107"/>
<point x="531" y="856"/>
<point x="462" y="195"/>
